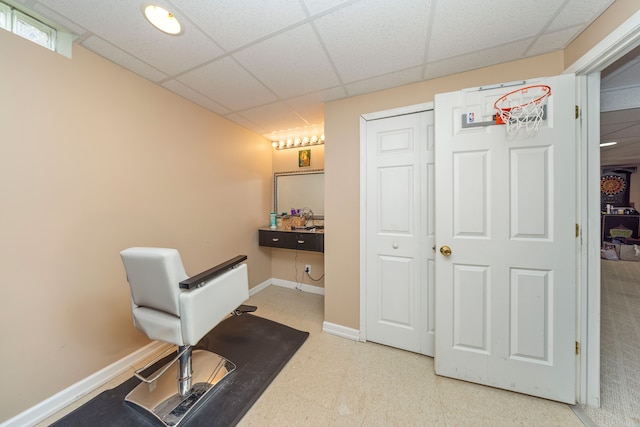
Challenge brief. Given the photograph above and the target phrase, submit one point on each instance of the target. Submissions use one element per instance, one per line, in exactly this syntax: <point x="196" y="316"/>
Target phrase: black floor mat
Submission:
<point x="259" y="348"/>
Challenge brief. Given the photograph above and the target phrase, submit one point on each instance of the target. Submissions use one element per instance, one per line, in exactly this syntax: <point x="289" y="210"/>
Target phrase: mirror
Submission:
<point x="297" y="190"/>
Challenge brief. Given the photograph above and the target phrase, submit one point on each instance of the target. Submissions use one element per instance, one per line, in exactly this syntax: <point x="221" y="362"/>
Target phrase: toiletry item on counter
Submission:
<point x="272" y="222"/>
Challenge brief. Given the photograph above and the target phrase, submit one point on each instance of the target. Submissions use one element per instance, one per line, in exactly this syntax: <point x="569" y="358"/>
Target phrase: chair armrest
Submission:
<point x="201" y="278"/>
<point x="204" y="307"/>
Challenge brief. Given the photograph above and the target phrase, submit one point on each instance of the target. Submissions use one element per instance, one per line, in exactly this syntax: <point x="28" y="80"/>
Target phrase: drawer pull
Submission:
<point x="301" y="241"/>
<point x="275" y="239"/>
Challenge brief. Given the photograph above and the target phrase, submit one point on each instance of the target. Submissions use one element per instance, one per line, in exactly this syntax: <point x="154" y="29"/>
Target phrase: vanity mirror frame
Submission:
<point x="277" y="175"/>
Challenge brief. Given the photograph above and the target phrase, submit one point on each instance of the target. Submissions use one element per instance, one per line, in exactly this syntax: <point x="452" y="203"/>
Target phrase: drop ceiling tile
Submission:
<point x="60" y="19"/>
<point x="375" y="37"/>
<point x="134" y="35"/>
<point x="625" y="153"/>
<point x="618" y="133"/>
<point x="578" y="12"/>
<point x="273" y="117"/>
<point x="325" y="95"/>
<point x="234" y="23"/>
<point x="386" y="81"/>
<point x="291" y="63"/>
<point x="631" y="116"/>
<point x="117" y="56"/>
<point x="247" y="124"/>
<point x="227" y="83"/>
<point x="627" y="76"/>
<point x="311" y="107"/>
<point x="630" y="132"/>
<point x="192" y="95"/>
<point x="366" y="41"/>
<point x="476" y="59"/>
<point x="620" y="98"/>
<point x="553" y="41"/>
<point x="483" y="28"/>
<point x="619" y="157"/>
<point x="318" y="6"/>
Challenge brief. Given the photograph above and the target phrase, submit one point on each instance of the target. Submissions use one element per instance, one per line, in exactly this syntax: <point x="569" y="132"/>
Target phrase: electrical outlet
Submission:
<point x="307" y="268"/>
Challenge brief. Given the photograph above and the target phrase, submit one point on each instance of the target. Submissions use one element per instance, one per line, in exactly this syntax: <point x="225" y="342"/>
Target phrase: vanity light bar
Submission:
<point x="298" y="142"/>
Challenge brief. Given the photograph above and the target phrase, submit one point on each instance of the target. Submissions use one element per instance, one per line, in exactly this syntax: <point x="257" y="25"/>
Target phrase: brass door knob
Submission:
<point x="445" y="250"/>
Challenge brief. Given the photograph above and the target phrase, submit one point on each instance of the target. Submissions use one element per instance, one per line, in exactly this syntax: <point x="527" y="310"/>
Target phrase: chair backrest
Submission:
<point x="154" y="275"/>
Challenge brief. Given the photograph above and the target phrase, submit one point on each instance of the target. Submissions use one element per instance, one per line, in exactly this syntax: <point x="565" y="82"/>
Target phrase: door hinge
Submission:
<point x="577" y="230"/>
<point x="577" y="348"/>
<point x="577" y="112"/>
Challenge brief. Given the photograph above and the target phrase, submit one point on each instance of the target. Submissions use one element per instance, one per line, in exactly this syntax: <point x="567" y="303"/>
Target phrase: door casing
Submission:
<point x="587" y="70"/>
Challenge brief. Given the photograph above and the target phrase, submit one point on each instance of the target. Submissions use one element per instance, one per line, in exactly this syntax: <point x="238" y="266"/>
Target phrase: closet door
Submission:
<point x="399" y="232"/>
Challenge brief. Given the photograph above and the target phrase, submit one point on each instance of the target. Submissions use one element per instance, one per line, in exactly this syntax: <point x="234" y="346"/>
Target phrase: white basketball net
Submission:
<point x="523" y="108"/>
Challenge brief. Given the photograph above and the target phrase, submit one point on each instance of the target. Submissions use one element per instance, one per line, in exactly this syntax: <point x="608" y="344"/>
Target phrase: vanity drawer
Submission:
<point x="291" y="240"/>
<point x="277" y="239"/>
<point x="310" y="242"/>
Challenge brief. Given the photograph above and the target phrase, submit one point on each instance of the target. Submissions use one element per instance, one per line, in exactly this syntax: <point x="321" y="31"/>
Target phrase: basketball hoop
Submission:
<point x="522" y="108"/>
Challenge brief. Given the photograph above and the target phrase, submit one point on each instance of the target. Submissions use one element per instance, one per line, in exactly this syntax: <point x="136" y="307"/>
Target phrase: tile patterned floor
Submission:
<point x="332" y="381"/>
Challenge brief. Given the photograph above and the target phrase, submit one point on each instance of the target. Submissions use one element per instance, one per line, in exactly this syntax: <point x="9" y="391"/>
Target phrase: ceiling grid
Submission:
<point x="269" y="65"/>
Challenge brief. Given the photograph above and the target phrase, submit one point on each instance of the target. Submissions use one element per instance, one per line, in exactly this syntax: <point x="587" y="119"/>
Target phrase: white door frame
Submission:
<point x="622" y="40"/>
<point x="363" y="198"/>
<point x="587" y="68"/>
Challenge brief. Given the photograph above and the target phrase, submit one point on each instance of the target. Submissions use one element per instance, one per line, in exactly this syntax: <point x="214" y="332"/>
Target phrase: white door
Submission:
<point x="400" y="232"/>
<point x="506" y="296"/>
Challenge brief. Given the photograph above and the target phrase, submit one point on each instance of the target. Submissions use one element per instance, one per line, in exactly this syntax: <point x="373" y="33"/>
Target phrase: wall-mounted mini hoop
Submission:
<point x="522" y="108"/>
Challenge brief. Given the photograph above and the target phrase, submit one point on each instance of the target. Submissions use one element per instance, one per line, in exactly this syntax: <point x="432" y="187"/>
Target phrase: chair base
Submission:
<point x="161" y="398"/>
<point x="242" y="309"/>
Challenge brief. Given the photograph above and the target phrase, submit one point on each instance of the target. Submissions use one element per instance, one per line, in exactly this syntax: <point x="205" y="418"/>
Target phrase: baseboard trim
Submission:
<point x="582" y="416"/>
<point x="341" y="331"/>
<point x="299" y="286"/>
<point x="260" y="287"/>
<point x="64" y="398"/>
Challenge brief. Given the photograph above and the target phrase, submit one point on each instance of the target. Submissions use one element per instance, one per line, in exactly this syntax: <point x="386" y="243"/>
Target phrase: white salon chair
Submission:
<point x="169" y="306"/>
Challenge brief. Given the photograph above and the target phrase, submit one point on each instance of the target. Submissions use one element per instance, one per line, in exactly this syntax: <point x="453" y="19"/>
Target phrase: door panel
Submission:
<point x="531" y="292"/>
<point x="399" y="232"/>
<point x="396" y="199"/>
<point x="530" y="192"/>
<point x="505" y="204"/>
<point x="470" y="308"/>
<point x="395" y="302"/>
<point x="470" y="182"/>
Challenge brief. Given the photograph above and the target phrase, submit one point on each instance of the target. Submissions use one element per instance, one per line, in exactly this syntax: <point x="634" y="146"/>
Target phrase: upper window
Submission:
<point x="5" y="16"/>
<point x="33" y="29"/>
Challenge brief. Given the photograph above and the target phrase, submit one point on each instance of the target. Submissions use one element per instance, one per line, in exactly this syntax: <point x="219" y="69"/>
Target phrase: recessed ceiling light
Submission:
<point x="607" y="144"/>
<point x="162" y="19"/>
